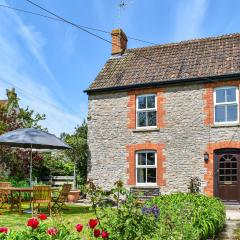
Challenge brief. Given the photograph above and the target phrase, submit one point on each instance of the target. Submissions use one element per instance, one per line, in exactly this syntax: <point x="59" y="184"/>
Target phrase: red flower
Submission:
<point x="96" y="233"/>
<point x="42" y="216"/>
<point x="105" y="234"/>
<point x="3" y="230"/>
<point x="93" y="223"/>
<point x="33" y="222"/>
<point x="52" y="231"/>
<point x="79" y="227"/>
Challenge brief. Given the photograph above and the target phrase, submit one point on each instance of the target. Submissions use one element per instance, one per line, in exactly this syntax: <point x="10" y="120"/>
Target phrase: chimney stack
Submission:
<point x="119" y="41"/>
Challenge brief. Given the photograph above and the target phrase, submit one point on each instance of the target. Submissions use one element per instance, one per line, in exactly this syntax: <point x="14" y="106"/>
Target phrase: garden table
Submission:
<point x="16" y="195"/>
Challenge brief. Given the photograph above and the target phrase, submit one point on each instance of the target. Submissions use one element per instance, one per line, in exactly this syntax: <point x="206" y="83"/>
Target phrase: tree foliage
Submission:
<point x="79" y="152"/>
<point x="15" y="162"/>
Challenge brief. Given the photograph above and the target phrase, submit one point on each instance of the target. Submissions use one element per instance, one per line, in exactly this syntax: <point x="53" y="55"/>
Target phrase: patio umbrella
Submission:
<point x="32" y="138"/>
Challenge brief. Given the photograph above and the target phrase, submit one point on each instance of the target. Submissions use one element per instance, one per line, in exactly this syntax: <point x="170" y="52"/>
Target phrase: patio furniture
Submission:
<point x="4" y="194"/>
<point x="16" y="195"/>
<point x="32" y="138"/>
<point x="59" y="201"/>
<point x="41" y="195"/>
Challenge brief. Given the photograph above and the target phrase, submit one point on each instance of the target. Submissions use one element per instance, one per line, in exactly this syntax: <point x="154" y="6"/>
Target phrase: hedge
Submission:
<point x="189" y="216"/>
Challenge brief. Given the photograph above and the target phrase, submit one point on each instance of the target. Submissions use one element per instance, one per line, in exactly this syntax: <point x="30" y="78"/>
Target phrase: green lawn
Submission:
<point x="74" y="214"/>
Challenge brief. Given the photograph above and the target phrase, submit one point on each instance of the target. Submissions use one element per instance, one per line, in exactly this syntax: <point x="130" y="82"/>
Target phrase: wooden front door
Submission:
<point x="227" y="168"/>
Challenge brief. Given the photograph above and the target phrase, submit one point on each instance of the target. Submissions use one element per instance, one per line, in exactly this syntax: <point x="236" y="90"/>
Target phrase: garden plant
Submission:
<point x="121" y="216"/>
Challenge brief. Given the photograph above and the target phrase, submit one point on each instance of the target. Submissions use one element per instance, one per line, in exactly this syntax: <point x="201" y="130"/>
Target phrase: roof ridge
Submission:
<point x="195" y="40"/>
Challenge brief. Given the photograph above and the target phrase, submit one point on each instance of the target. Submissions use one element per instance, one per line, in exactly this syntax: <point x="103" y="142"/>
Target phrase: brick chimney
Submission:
<point x="119" y="41"/>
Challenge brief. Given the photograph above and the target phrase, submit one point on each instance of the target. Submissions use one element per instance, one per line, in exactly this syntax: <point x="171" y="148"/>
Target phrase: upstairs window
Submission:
<point x="146" y="168"/>
<point x="146" y="111"/>
<point x="226" y="105"/>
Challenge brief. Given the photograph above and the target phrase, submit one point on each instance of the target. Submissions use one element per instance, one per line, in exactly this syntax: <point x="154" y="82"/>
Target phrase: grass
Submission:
<point x="74" y="214"/>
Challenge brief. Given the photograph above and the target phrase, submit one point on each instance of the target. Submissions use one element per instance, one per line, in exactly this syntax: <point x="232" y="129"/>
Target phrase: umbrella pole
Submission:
<point x="30" y="179"/>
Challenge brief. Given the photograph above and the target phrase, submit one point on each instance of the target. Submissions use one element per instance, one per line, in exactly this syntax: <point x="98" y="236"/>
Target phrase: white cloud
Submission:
<point x="17" y="70"/>
<point x="189" y="18"/>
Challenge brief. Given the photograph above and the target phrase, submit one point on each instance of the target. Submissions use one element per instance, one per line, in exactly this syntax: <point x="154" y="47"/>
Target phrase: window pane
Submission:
<point x="152" y="118"/>
<point x="228" y="171"/>
<point x="220" y="95"/>
<point x="221" y="178"/>
<point x="234" y="178"/>
<point x="234" y="165"/>
<point x="228" y="178"/>
<point x="151" y="175"/>
<point x="141" y="175"/>
<point x="141" y="102"/>
<point x="141" y="119"/>
<point x="141" y="158"/>
<point x="232" y="113"/>
<point x="151" y="101"/>
<point x="231" y="94"/>
<point x="220" y="114"/>
<point x="151" y="158"/>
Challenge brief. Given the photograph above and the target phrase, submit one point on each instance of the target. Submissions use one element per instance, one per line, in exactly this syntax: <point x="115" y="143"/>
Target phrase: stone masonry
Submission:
<point x="185" y="137"/>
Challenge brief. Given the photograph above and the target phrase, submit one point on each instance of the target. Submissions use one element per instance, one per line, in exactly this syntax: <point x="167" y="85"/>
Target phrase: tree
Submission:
<point x="15" y="162"/>
<point x="79" y="152"/>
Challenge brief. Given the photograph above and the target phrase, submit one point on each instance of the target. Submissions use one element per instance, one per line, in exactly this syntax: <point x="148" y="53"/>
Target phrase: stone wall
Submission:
<point x="185" y="136"/>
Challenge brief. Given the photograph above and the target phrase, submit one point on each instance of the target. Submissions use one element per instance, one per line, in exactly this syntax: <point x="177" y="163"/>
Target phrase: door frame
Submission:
<point x="216" y="166"/>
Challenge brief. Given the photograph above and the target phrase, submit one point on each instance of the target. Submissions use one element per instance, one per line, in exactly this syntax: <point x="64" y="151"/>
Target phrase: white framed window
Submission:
<point x="226" y="105"/>
<point x="146" y="168"/>
<point x="146" y="111"/>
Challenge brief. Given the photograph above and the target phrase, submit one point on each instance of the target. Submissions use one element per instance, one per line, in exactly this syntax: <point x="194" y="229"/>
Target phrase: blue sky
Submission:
<point x="51" y="63"/>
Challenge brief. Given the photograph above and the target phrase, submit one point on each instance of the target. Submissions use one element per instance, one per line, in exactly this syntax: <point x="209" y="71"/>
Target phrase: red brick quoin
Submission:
<point x="160" y="161"/>
<point x="208" y="98"/>
<point x="132" y="106"/>
<point x="209" y="175"/>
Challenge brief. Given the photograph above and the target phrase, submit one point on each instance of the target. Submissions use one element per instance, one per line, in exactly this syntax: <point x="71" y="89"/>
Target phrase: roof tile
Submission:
<point x="188" y="59"/>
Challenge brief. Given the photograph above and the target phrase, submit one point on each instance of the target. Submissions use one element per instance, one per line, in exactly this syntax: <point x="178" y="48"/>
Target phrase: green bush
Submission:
<point x="189" y="216"/>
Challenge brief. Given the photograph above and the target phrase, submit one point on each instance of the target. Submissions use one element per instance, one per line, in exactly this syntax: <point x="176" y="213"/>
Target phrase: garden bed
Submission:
<point x="173" y="216"/>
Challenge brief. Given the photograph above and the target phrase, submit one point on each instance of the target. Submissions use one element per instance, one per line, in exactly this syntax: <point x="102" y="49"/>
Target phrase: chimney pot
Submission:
<point x="119" y="41"/>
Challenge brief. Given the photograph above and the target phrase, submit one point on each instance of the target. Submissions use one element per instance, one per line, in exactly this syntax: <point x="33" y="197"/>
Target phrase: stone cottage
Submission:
<point x="161" y="114"/>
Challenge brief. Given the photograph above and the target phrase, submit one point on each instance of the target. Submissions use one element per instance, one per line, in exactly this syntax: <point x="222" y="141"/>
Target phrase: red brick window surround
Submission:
<point x="209" y="98"/>
<point x="209" y="175"/>
<point x="160" y="158"/>
<point x="132" y="105"/>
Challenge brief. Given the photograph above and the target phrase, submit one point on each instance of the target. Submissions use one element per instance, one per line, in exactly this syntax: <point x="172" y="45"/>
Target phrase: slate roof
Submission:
<point x="196" y="58"/>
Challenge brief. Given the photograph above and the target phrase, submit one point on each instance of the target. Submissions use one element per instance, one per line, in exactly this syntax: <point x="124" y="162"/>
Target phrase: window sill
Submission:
<point x="226" y="125"/>
<point x="146" y="185"/>
<point x="146" y="130"/>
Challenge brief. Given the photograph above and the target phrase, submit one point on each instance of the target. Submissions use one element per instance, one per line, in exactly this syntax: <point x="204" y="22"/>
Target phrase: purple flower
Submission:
<point x="154" y="210"/>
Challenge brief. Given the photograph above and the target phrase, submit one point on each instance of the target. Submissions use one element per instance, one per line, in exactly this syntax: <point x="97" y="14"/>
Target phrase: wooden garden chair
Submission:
<point x="41" y="195"/>
<point x="4" y="194"/>
<point x="59" y="201"/>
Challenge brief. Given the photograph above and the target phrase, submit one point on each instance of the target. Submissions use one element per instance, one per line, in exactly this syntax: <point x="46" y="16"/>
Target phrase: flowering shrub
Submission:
<point x="37" y="229"/>
<point x="79" y="227"/>
<point x="154" y="210"/>
<point x="172" y="216"/>
<point x="42" y="216"/>
<point x="122" y="215"/>
<point x="33" y="223"/>
<point x="52" y="231"/>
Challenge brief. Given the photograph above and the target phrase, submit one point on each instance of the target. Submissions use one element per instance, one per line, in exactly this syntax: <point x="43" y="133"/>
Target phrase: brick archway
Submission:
<point x="209" y="166"/>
